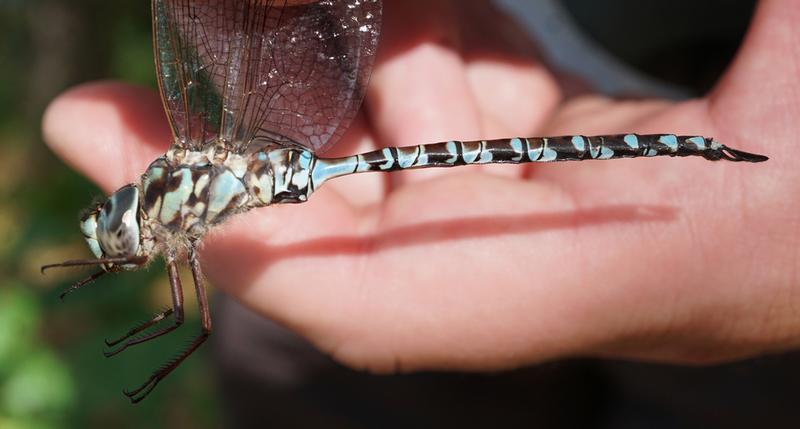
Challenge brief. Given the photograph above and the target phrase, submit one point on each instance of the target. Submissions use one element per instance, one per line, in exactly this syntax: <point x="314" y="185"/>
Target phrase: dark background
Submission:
<point x="52" y="373"/>
<point x="688" y="43"/>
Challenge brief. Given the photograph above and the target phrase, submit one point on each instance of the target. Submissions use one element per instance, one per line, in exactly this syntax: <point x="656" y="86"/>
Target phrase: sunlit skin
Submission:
<point x="476" y="268"/>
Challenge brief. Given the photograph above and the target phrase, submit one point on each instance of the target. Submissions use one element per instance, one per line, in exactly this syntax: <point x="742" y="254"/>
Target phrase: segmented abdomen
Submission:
<point x="519" y="150"/>
<point x="538" y="149"/>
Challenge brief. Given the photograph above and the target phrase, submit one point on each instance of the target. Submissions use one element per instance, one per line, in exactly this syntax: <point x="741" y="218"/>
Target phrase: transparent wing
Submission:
<point x="238" y="71"/>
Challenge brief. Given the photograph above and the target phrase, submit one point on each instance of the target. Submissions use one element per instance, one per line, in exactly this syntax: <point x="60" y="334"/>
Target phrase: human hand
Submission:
<point x="487" y="268"/>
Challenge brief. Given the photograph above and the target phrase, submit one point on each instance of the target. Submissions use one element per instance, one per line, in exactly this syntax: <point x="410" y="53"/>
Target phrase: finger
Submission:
<point x="108" y="131"/>
<point x="757" y="102"/>
<point x="513" y="91"/>
<point x="419" y="92"/>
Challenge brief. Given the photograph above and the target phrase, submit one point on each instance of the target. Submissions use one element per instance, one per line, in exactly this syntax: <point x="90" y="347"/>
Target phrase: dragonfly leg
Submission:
<point x="141" y="392"/>
<point x="82" y="283"/>
<point x="158" y="317"/>
<point x="177" y="310"/>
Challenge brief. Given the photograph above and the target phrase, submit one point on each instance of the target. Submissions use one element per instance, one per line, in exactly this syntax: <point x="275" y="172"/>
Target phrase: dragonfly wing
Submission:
<point x="288" y="71"/>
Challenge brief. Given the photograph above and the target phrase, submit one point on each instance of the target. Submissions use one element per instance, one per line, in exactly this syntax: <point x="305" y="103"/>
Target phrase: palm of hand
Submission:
<point x="502" y="266"/>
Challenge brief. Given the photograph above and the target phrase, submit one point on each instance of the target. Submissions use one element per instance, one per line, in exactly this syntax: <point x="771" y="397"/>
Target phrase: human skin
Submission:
<point x="484" y="268"/>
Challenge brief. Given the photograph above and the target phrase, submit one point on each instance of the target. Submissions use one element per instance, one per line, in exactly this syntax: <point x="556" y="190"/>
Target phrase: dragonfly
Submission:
<point x="255" y="91"/>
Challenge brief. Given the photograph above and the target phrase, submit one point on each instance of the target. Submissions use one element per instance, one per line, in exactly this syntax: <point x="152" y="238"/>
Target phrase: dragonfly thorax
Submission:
<point x="186" y="192"/>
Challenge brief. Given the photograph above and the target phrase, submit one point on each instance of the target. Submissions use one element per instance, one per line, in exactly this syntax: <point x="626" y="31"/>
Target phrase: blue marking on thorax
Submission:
<point x="291" y="172"/>
<point x="200" y="185"/>
<point x="300" y="177"/>
<point x="670" y="140"/>
<point x="174" y="200"/>
<point x="279" y="169"/>
<point x="305" y="159"/>
<point x="152" y="173"/>
<point x="631" y="140"/>
<point x="224" y="188"/>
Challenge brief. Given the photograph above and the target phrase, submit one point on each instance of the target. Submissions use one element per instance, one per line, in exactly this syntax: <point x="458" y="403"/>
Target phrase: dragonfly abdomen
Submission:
<point x="521" y="150"/>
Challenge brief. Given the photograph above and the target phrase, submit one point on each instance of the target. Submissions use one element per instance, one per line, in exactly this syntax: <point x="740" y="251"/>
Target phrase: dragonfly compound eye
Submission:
<point x="117" y="229"/>
<point x="89" y="229"/>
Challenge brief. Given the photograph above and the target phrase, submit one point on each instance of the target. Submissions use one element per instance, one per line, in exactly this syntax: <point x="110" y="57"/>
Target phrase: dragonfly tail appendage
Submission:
<point x="736" y="155"/>
<point x="523" y="150"/>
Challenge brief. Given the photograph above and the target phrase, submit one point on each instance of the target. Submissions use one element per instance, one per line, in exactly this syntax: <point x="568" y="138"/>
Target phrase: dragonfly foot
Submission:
<point x="141" y="392"/>
<point x="136" y="395"/>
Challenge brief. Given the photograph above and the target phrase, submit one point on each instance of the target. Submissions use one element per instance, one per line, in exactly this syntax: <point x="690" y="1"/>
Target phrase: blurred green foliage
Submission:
<point x="52" y="372"/>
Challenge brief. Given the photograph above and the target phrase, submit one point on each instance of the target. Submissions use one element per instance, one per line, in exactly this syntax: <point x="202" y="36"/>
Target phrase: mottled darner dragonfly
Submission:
<point x="254" y="90"/>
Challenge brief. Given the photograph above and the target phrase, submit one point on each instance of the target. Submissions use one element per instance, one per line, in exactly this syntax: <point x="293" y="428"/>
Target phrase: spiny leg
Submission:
<point x="82" y="283"/>
<point x="158" y="317"/>
<point x="177" y="310"/>
<point x="136" y="260"/>
<point x="141" y="392"/>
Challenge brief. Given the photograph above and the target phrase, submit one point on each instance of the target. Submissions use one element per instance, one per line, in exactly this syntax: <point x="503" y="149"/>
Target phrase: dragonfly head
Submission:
<point x="111" y="229"/>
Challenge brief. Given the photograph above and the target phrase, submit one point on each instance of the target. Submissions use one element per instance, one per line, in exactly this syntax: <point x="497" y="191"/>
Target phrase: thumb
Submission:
<point x="759" y="97"/>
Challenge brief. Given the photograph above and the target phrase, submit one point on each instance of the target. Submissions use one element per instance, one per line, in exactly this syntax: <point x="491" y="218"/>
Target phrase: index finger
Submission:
<point x="108" y="131"/>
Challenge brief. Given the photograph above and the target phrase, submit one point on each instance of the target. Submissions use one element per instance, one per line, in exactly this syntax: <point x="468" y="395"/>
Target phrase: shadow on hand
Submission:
<point x="253" y="255"/>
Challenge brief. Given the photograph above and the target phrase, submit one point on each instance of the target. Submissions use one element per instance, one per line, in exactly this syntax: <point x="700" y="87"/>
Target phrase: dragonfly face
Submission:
<point x="112" y="229"/>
